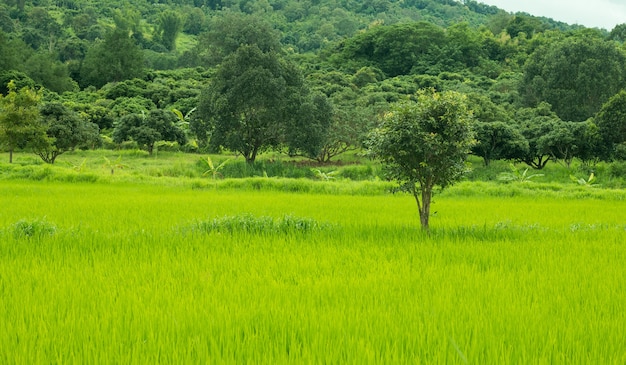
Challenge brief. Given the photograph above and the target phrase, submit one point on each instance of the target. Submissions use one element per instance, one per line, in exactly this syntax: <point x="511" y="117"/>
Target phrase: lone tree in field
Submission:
<point x="424" y="144"/>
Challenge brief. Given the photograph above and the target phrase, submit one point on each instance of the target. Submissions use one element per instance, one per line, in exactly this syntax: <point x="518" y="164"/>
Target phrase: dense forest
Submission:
<point x="308" y="77"/>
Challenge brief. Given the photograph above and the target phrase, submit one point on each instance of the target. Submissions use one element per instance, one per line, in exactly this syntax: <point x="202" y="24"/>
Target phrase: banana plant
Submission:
<point x="517" y="175"/>
<point x="112" y="165"/>
<point x="325" y="176"/>
<point x="585" y="182"/>
<point x="213" y="171"/>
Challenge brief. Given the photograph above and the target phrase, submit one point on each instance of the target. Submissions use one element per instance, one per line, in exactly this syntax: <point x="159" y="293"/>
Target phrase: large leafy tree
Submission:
<point x="498" y="141"/>
<point x="307" y="133"/>
<point x="118" y="58"/>
<point x="52" y="74"/>
<point x="589" y="144"/>
<point x="535" y="124"/>
<point x="348" y="128"/>
<point x="20" y="126"/>
<point x="576" y="75"/>
<point x="146" y="130"/>
<point x="230" y="31"/>
<point x="65" y="131"/>
<point x="611" y="122"/>
<point x="169" y="26"/>
<point x="560" y="141"/>
<point x="253" y="98"/>
<point x="398" y="49"/>
<point x="425" y="144"/>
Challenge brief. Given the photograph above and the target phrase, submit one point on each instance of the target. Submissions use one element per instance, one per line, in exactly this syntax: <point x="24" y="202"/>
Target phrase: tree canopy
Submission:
<point x="576" y="76"/>
<point x="327" y="68"/>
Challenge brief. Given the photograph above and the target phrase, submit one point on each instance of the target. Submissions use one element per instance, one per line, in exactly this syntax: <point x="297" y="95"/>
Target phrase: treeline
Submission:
<point x="309" y="77"/>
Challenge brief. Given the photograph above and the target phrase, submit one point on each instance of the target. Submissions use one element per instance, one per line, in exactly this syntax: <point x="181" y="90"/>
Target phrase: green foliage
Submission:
<point x="50" y="73"/>
<point x="117" y="58"/>
<point x="618" y="33"/>
<point x="611" y="122"/>
<point x="169" y="26"/>
<point x="252" y="100"/>
<point x="65" y="130"/>
<point x="498" y="140"/>
<point x="20" y="80"/>
<point x="536" y="124"/>
<point x="324" y="175"/>
<point x="585" y="182"/>
<point x="146" y="130"/>
<point x="20" y="126"/>
<point x="213" y="171"/>
<point x="517" y="175"/>
<point x="310" y="130"/>
<point x="33" y="229"/>
<point x="113" y="165"/>
<point x="250" y="224"/>
<point x="576" y="75"/>
<point x="362" y="55"/>
<point x="424" y="144"/>
<point x="397" y="49"/>
<point x="525" y="24"/>
<point x="229" y="32"/>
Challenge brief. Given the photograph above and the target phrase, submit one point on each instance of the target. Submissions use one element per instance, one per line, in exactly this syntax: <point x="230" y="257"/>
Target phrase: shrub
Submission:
<point x="359" y="172"/>
<point x="37" y="228"/>
<point x="250" y="224"/>
<point x="618" y="170"/>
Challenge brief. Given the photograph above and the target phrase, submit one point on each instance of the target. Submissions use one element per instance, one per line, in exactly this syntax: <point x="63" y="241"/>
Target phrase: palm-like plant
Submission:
<point x="117" y="164"/>
<point x="213" y="171"/>
<point x="584" y="182"/>
<point x="517" y="175"/>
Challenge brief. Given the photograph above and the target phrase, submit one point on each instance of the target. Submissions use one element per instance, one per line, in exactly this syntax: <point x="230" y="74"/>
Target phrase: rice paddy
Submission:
<point x="145" y="273"/>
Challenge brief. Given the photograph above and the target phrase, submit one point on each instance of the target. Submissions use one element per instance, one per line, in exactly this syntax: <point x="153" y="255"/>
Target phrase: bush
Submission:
<point x="34" y="229"/>
<point x="250" y="224"/>
<point x="617" y="170"/>
<point x="359" y="172"/>
<point x="241" y="169"/>
<point x="166" y="146"/>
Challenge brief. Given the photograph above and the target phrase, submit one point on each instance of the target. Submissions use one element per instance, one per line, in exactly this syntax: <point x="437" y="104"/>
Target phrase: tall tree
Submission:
<point x="425" y="144"/>
<point x="50" y="73"/>
<point x="252" y="99"/>
<point x="116" y="59"/>
<point x="535" y="124"/>
<point x="169" y="26"/>
<point x="611" y="122"/>
<point x="20" y="126"/>
<point x="497" y="141"/>
<point x="576" y="75"/>
<point x="65" y="130"/>
<point x="398" y="49"/>
<point x="230" y="31"/>
<point x="307" y="132"/>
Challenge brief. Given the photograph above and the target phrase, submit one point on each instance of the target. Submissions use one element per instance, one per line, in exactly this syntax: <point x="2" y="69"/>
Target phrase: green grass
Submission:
<point x="114" y="271"/>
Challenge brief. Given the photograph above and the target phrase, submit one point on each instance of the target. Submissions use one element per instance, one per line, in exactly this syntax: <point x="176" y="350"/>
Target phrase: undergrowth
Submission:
<point x="251" y="224"/>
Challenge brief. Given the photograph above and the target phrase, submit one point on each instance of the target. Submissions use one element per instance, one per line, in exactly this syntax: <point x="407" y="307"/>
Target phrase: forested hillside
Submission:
<point x="307" y="77"/>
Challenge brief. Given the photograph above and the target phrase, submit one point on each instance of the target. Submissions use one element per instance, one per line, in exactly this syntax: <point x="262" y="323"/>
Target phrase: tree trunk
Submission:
<point x="11" y="155"/>
<point x="425" y="211"/>
<point x="423" y="206"/>
<point x="250" y="159"/>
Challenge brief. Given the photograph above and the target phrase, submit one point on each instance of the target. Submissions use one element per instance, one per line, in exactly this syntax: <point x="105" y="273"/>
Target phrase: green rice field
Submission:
<point x="118" y="272"/>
